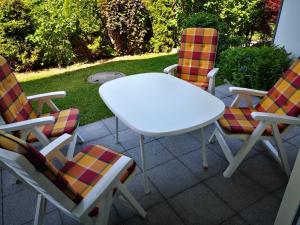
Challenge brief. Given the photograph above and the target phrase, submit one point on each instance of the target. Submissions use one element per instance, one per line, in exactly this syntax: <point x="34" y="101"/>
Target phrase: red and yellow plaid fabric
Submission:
<point x="89" y="166"/>
<point x="283" y="98"/>
<point x="197" y="55"/>
<point x="66" y="121"/>
<point x="11" y="143"/>
<point x="14" y="106"/>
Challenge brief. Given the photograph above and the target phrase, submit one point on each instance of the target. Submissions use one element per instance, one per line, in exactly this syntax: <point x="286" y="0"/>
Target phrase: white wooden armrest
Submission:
<point x="27" y="124"/>
<point x="46" y="96"/>
<point x="247" y="91"/>
<point x="170" y="69"/>
<point x="213" y="73"/>
<point x="105" y="186"/>
<point x="275" y="118"/>
<point x="52" y="150"/>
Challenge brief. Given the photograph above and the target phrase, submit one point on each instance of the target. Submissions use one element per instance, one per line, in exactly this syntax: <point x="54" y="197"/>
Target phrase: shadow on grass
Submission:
<point x="83" y="95"/>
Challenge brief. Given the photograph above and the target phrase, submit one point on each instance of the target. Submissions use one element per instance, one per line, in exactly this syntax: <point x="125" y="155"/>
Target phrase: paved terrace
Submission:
<point x="181" y="192"/>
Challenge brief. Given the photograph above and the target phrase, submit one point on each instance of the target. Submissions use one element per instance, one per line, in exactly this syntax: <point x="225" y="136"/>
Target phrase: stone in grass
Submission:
<point x="101" y="78"/>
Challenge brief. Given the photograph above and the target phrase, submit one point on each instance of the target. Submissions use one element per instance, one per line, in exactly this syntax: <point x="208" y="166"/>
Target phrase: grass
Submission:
<point x="83" y="95"/>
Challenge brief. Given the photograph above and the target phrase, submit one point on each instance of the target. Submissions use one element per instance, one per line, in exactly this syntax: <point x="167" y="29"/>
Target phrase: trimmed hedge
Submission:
<point x="254" y="67"/>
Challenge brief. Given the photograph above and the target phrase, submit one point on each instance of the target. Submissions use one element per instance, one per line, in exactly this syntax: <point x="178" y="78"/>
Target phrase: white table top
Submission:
<point x="157" y="104"/>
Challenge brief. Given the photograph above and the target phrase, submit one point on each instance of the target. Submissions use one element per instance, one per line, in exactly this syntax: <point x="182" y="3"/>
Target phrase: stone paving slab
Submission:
<point x="182" y="193"/>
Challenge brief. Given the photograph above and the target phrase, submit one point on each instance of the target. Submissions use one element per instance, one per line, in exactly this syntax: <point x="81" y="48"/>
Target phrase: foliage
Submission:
<point x="273" y="7"/>
<point x="254" y="67"/>
<point x="53" y="31"/>
<point x="128" y="25"/>
<point x="164" y="24"/>
<point x="243" y="17"/>
<point x="16" y="25"/>
<point x="212" y="21"/>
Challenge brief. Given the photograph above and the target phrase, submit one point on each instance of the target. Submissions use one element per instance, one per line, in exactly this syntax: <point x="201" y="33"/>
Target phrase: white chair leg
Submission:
<point x="203" y="149"/>
<point x="40" y="136"/>
<point x="117" y="130"/>
<point x="80" y="138"/>
<point x="211" y="139"/>
<point x="72" y="146"/>
<point x="245" y="149"/>
<point x="40" y="210"/>
<point x="131" y="200"/>
<point x="226" y="150"/>
<point x="282" y="152"/>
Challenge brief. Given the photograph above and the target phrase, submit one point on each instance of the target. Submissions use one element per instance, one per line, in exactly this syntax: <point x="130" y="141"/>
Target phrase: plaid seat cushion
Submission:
<point x="66" y="121"/>
<point x="239" y="121"/>
<point x="89" y="166"/>
<point x="197" y="54"/>
<point x="202" y="85"/>
<point x="284" y="97"/>
<point x="11" y="143"/>
<point x="14" y="106"/>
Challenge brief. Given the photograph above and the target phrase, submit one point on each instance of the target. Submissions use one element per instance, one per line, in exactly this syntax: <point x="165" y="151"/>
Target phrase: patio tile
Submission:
<point x="136" y="188"/>
<point x="264" y="171"/>
<point x="161" y="214"/>
<point x="51" y="218"/>
<point x="234" y="145"/>
<point x="236" y="220"/>
<point x="238" y="191"/>
<point x="180" y="144"/>
<point x="221" y="94"/>
<point x="93" y="131"/>
<point x="9" y="185"/>
<point x="155" y="154"/>
<point x="227" y="101"/>
<point x="224" y="88"/>
<point x="193" y="161"/>
<point x="19" y="208"/>
<point x="107" y="141"/>
<point x="208" y="132"/>
<point x="111" y="125"/>
<point x="129" y="139"/>
<point x="279" y="193"/>
<point x="263" y="212"/>
<point x="295" y="140"/>
<point x="200" y="206"/>
<point x="172" y="177"/>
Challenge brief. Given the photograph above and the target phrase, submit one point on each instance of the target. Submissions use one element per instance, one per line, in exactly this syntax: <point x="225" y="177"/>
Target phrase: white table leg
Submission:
<point x="146" y="184"/>
<point x="117" y="130"/>
<point x="204" y="157"/>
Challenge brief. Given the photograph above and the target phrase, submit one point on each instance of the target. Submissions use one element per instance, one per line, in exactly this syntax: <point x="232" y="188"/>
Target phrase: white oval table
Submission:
<point x="157" y="104"/>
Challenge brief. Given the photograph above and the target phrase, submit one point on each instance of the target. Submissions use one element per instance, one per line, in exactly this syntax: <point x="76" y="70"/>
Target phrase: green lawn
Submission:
<point x="83" y="95"/>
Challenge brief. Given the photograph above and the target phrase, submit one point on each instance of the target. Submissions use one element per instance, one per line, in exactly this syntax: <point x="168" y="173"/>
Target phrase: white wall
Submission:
<point x="288" y="28"/>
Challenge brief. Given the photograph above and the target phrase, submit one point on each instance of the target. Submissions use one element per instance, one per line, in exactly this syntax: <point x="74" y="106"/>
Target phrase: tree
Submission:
<point x="16" y="26"/>
<point x="273" y="6"/>
<point x="128" y="25"/>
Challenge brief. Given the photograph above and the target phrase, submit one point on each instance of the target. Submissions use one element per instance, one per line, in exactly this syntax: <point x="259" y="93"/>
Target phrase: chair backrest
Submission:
<point x="29" y="164"/>
<point x="284" y="97"/>
<point x="14" y="106"/>
<point x="197" y="53"/>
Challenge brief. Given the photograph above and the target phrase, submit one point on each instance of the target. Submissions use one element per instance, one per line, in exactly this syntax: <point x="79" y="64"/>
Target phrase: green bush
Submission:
<point x="253" y="67"/>
<point x="15" y="27"/>
<point x="128" y="25"/>
<point x="164" y="25"/>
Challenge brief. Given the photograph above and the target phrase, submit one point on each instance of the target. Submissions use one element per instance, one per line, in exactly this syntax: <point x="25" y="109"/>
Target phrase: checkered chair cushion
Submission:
<point x="11" y="143"/>
<point x="197" y="55"/>
<point x="66" y="121"/>
<point x="283" y="98"/>
<point x="89" y="166"/>
<point x="14" y="106"/>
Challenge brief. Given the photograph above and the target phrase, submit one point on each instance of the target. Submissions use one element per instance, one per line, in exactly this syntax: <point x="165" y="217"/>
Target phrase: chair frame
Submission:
<point x="257" y="135"/>
<point x="102" y="192"/>
<point x="31" y="125"/>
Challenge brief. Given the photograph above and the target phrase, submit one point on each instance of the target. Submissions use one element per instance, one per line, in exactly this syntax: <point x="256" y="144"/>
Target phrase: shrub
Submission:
<point x="53" y="31"/>
<point x="164" y="25"/>
<point x="128" y="25"/>
<point x="254" y="67"/>
<point x="16" y="25"/>
<point x="209" y="20"/>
